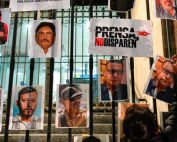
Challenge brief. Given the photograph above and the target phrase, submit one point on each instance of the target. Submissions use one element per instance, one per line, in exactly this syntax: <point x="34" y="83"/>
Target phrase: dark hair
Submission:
<point x="42" y="24"/>
<point x="26" y="90"/>
<point x="168" y="61"/>
<point x="139" y="123"/>
<point x="114" y="61"/>
<point x="91" y="139"/>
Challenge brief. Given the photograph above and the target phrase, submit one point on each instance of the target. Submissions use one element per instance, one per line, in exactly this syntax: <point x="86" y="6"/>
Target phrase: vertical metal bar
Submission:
<point x="12" y="64"/>
<point x="113" y="104"/>
<point x="71" y="57"/>
<point x="32" y="61"/>
<point x="91" y="78"/>
<point x="50" y="92"/>
<point x="169" y="39"/>
<point x="151" y="60"/>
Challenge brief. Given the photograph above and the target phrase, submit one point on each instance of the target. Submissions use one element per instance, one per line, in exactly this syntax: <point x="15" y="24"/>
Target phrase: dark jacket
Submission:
<point x="120" y="94"/>
<point x="170" y="132"/>
<point x="2" y="29"/>
<point x="166" y="96"/>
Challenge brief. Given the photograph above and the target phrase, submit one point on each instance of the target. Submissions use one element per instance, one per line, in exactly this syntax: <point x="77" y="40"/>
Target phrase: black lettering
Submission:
<point x="97" y="31"/>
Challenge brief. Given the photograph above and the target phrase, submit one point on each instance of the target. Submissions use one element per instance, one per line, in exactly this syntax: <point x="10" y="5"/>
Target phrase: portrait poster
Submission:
<point x="122" y="107"/>
<point x="121" y="37"/>
<point x="5" y="15"/>
<point x="121" y="5"/>
<point x="113" y="78"/>
<point x="161" y="79"/>
<point x="101" y="137"/>
<point x="1" y="106"/>
<point x="45" y="39"/>
<point x="72" y="106"/>
<point x="164" y="9"/>
<point x="32" y="5"/>
<point x="27" y="108"/>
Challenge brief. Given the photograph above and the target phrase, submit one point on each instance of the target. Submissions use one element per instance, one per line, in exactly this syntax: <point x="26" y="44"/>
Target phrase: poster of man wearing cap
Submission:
<point x="72" y="105"/>
<point x="4" y="24"/>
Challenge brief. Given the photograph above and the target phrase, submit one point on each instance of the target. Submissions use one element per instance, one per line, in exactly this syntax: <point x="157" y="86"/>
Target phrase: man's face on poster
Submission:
<point x="168" y="4"/>
<point x="27" y="104"/>
<point x="72" y="104"/>
<point x="113" y="74"/>
<point x="166" y="75"/>
<point x="45" y="37"/>
<point x="174" y="58"/>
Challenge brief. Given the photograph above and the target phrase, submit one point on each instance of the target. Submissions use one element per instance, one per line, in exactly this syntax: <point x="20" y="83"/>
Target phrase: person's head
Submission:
<point x="91" y="139"/>
<point x="27" y="101"/>
<point x="45" y="34"/>
<point x="71" y="99"/>
<point x="139" y="123"/>
<point x="166" y="74"/>
<point x="0" y="15"/>
<point x="167" y="4"/>
<point x="113" y="73"/>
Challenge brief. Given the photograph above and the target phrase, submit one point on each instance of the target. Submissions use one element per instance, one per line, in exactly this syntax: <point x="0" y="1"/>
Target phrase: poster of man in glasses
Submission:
<point x="161" y="79"/>
<point x="113" y="80"/>
<point x="72" y="106"/>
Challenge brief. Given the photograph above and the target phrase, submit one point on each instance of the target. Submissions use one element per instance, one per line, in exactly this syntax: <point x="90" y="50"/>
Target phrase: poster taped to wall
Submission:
<point x="164" y="9"/>
<point x="113" y="79"/>
<point x="1" y="106"/>
<point x="122" y="107"/>
<point x="27" y="108"/>
<point x="32" y="5"/>
<point x="161" y="79"/>
<point x="95" y="138"/>
<point x="5" y="15"/>
<point x="121" y="5"/>
<point x="45" y="39"/>
<point x="72" y="106"/>
<point x="122" y="37"/>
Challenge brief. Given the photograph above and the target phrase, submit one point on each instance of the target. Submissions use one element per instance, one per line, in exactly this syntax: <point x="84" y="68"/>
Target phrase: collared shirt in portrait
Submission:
<point x="161" y="12"/>
<point x="79" y="121"/>
<point x="47" y="55"/>
<point x="119" y="94"/>
<point x="164" y="95"/>
<point x="34" y="123"/>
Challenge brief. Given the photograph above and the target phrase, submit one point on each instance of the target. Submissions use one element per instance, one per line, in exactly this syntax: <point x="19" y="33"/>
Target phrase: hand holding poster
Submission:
<point x="122" y="37"/>
<point x="4" y="24"/>
<point x="161" y="79"/>
<point x="165" y="9"/>
<point x="45" y="38"/>
<point x="72" y="106"/>
<point x="31" y="5"/>
<point x="27" y="108"/>
<point x="121" y="5"/>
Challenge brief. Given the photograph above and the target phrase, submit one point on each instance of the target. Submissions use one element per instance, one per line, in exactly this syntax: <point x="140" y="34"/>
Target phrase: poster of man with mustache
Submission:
<point x="27" y="108"/>
<point x="45" y="39"/>
<point x="165" y="9"/>
<point x="72" y="106"/>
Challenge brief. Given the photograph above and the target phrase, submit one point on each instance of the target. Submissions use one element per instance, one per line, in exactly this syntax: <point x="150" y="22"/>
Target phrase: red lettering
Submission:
<point x="97" y="41"/>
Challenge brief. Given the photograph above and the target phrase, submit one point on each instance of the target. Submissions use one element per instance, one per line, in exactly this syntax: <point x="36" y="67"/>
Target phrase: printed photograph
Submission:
<point x="27" y="108"/>
<point x="1" y="106"/>
<point x="122" y="110"/>
<point x="161" y="79"/>
<point x="94" y="138"/>
<point x="72" y="105"/>
<point x="121" y="5"/>
<point x="45" y="39"/>
<point x="113" y="80"/>
<point x="5" y="15"/>
<point x="165" y="9"/>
